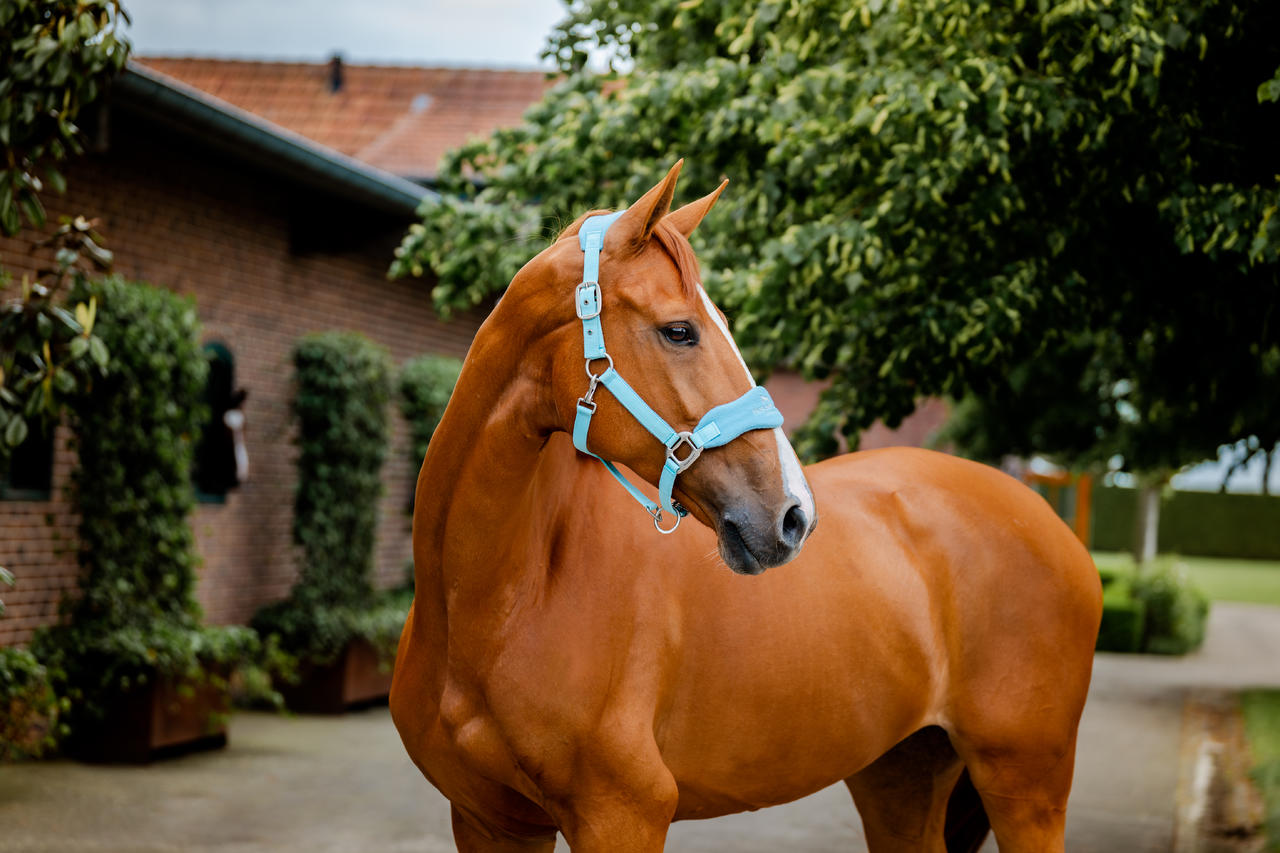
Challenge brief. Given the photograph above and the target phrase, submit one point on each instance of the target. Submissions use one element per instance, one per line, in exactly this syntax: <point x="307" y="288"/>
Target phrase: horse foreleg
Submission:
<point x="470" y="836"/>
<point x="618" y="810"/>
<point x="902" y="796"/>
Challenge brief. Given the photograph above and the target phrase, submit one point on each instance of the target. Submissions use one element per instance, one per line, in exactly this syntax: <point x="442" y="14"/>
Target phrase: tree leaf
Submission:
<point x="15" y="432"/>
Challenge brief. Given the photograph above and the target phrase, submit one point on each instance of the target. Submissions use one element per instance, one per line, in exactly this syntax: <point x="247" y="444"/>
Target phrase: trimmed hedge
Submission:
<point x="343" y="391"/>
<point x="1115" y="511"/>
<point x="1156" y="610"/>
<point x="1193" y="523"/>
<point x="426" y="383"/>
<point x="136" y="617"/>
<point x="343" y="388"/>
<point x="1122" y="619"/>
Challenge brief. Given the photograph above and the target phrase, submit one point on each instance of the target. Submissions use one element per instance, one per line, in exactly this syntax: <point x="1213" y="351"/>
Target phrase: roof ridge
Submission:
<point x="369" y="153"/>
<point x="324" y="63"/>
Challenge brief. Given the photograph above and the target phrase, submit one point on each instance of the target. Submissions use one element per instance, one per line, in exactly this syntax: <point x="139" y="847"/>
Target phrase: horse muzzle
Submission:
<point x="752" y="541"/>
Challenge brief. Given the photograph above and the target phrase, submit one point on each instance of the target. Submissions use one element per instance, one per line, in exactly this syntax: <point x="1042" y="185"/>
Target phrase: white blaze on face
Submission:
<point x="793" y="481"/>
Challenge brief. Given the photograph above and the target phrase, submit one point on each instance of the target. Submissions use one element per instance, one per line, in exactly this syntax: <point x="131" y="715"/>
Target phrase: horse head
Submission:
<point x="673" y="346"/>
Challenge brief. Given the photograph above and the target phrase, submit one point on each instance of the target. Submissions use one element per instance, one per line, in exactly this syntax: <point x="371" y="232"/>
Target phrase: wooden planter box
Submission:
<point x="157" y="720"/>
<point x="354" y="678"/>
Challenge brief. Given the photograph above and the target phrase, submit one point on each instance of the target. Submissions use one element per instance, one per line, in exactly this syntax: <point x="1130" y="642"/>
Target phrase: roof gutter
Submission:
<point x="246" y="136"/>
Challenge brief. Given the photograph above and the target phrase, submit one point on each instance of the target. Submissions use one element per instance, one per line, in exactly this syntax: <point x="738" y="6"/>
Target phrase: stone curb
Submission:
<point x="1217" y="808"/>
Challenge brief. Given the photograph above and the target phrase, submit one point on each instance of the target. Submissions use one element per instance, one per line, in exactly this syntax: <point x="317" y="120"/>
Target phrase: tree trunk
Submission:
<point x="1147" y="523"/>
<point x="1267" y="460"/>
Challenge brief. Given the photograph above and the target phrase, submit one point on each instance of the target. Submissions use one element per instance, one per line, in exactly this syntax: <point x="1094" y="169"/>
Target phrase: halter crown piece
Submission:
<point x="753" y="410"/>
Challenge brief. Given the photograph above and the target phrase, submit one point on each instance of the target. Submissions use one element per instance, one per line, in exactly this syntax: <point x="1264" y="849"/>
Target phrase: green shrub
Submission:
<point x="1176" y="609"/>
<point x="1109" y="576"/>
<point x="343" y="389"/>
<point x="28" y="707"/>
<point x="425" y="385"/>
<point x="135" y="618"/>
<point x="320" y="634"/>
<point x="1122" y="619"/>
<point x="1155" y="609"/>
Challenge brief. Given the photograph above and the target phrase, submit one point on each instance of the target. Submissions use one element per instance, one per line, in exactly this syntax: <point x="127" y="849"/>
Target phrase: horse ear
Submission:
<point x="687" y="218"/>
<point x="634" y="228"/>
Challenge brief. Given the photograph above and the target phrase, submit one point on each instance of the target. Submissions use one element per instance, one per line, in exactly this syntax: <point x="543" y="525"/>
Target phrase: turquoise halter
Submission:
<point x="753" y="410"/>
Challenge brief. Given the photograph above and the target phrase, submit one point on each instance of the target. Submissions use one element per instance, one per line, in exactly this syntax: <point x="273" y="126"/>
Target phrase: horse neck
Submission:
<point x="473" y="504"/>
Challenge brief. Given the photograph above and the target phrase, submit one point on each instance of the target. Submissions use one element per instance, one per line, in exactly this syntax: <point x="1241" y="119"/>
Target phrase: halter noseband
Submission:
<point x="753" y="410"/>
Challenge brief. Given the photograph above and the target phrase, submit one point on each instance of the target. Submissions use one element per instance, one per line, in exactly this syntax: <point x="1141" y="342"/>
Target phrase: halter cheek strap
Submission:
<point x="753" y="410"/>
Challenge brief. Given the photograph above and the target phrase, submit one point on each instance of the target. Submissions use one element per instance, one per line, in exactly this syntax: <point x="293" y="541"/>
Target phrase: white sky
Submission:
<point x="491" y="33"/>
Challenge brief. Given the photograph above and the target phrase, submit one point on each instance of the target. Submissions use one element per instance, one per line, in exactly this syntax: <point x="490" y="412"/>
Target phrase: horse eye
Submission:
<point x="680" y="333"/>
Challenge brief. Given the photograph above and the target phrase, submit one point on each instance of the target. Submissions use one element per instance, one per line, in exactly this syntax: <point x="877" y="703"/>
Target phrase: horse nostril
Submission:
<point x="794" y="525"/>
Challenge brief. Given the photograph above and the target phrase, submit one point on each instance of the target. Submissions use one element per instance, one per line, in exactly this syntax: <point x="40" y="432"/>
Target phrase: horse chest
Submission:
<point x="470" y="735"/>
<point x="468" y="757"/>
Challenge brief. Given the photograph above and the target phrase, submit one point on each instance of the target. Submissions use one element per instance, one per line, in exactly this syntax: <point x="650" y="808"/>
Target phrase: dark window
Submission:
<point x="30" y="471"/>
<point x="215" y="462"/>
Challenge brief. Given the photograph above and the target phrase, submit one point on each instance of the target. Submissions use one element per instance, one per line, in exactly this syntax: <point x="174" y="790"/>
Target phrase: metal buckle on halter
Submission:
<point x="694" y="451"/>
<point x="587" y="294"/>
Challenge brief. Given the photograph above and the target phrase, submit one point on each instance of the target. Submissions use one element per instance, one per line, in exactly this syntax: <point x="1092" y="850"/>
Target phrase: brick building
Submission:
<point x="407" y="117"/>
<point x="274" y="236"/>
<point x="274" y="194"/>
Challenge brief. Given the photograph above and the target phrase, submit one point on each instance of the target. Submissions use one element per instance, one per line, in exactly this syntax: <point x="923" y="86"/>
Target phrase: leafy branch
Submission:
<point x="47" y="353"/>
<point x="58" y="56"/>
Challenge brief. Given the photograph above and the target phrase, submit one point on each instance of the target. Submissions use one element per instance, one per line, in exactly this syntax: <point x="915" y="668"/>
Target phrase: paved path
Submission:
<point x="322" y="784"/>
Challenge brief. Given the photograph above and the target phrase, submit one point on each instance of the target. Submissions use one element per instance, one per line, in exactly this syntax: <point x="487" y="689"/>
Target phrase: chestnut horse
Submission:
<point x="565" y="667"/>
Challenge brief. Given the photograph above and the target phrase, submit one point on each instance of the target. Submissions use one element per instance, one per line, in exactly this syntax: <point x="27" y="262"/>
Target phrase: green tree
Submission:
<point x="1067" y="203"/>
<point x="48" y="354"/>
<point x="46" y="350"/>
<point x="57" y="57"/>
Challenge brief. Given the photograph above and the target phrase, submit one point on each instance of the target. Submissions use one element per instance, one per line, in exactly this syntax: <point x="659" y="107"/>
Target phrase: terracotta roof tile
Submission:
<point x="398" y="118"/>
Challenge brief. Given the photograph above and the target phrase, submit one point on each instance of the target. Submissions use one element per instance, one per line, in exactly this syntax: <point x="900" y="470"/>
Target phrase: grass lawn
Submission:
<point x="1262" y="725"/>
<point x="1221" y="579"/>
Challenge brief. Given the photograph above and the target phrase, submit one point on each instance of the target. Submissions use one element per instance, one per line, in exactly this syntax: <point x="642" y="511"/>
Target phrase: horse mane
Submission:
<point x="673" y="243"/>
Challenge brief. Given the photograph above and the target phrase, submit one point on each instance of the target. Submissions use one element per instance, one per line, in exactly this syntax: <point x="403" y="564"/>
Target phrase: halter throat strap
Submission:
<point x="753" y="410"/>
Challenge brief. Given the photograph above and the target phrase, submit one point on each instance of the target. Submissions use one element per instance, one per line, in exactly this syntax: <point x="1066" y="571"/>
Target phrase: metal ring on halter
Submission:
<point x="657" y="519"/>
<point x="694" y="451"/>
<point x="596" y="377"/>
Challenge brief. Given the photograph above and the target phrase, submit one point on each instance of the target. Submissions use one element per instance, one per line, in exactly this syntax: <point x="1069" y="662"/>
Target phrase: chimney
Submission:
<point x="335" y="73"/>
